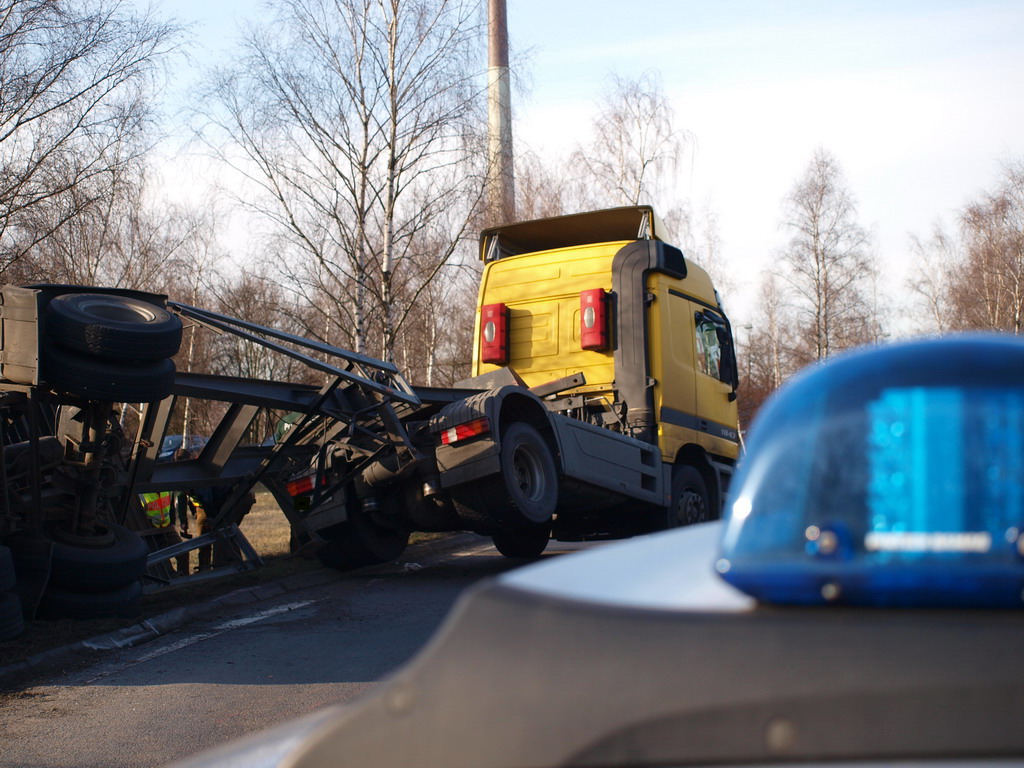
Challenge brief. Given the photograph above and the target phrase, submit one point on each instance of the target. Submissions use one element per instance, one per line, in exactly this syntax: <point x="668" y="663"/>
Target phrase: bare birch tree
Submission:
<point x="929" y="282"/>
<point x="114" y="234"/>
<point x="771" y="351"/>
<point x="988" y="292"/>
<point x="540" y="186"/>
<point x="75" y="77"/>
<point x="636" y="149"/>
<point x="358" y="125"/>
<point x="828" y="264"/>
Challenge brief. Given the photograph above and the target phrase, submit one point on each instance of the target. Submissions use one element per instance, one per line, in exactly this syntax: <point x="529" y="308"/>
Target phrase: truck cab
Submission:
<point x="613" y="328"/>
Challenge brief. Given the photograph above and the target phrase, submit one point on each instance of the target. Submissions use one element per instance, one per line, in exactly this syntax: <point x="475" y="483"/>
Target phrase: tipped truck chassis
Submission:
<point x="601" y="405"/>
<point x="75" y="467"/>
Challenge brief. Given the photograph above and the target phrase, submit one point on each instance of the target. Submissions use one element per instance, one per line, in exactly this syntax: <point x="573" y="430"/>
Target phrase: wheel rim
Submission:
<point x="528" y="474"/>
<point x="102" y="538"/>
<point x="691" y="508"/>
<point x="118" y="312"/>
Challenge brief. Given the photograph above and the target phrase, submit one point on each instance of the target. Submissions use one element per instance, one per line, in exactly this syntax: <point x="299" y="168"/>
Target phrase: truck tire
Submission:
<point x="122" y="603"/>
<point x="522" y="542"/>
<point x="113" y="327"/>
<point x="528" y="491"/>
<point x="12" y="621"/>
<point x="331" y="556"/>
<point x="691" y="502"/>
<point x="140" y="382"/>
<point x="115" y="558"/>
<point x="359" y="542"/>
<point x="6" y="569"/>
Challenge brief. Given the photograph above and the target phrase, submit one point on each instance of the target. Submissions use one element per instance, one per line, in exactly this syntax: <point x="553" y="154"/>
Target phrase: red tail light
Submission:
<point x="494" y="334"/>
<point x="462" y="431"/>
<point x="594" y="332"/>
<point x="301" y="486"/>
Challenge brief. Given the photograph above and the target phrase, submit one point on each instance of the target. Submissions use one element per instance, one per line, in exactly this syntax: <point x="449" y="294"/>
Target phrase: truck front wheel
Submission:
<point x="691" y="502"/>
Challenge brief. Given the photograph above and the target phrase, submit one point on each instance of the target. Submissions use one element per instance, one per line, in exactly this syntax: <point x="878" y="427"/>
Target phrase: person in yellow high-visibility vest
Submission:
<point x="158" y="508"/>
<point x="159" y="511"/>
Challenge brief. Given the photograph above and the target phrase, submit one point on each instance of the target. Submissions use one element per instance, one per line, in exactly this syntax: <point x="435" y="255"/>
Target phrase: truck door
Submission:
<point x="715" y="381"/>
<point x="670" y="341"/>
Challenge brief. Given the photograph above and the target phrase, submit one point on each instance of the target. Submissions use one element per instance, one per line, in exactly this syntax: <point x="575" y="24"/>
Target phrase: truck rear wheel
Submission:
<point x="691" y="502"/>
<point x="522" y="542"/>
<point x="529" y="477"/>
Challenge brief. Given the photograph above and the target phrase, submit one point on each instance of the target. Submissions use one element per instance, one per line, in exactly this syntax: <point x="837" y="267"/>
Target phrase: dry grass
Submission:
<point x="266" y="527"/>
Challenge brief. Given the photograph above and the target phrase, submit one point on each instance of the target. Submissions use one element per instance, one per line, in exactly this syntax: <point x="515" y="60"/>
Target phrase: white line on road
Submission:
<point x="489" y="548"/>
<point x="199" y="637"/>
<point x="222" y="628"/>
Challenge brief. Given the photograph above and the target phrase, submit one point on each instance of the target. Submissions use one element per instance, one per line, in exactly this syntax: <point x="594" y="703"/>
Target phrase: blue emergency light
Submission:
<point x="889" y="476"/>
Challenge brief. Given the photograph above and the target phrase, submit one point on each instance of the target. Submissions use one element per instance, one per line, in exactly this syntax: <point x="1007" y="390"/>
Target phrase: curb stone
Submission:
<point x="165" y="623"/>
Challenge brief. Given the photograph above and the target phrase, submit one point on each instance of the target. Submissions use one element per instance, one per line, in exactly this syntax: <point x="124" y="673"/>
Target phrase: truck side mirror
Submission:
<point x="728" y="366"/>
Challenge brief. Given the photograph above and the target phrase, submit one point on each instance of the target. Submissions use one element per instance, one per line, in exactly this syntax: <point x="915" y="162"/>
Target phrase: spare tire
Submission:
<point x="139" y="382"/>
<point x="116" y="558"/>
<point x="12" y="621"/>
<point x="6" y="569"/>
<point x="123" y="602"/>
<point x="113" y="327"/>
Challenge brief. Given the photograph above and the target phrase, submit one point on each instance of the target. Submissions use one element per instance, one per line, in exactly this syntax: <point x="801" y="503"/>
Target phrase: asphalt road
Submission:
<point x="242" y="670"/>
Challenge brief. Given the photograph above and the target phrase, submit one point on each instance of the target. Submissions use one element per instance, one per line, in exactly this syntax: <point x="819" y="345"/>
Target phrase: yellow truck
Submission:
<point x="610" y="375"/>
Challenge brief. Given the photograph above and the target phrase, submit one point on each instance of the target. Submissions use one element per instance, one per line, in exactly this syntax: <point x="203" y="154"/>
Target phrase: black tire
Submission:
<point x="143" y="382"/>
<point x="331" y="556"/>
<point x="360" y="541"/>
<point x="113" y="327"/>
<point x="12" y="621"/>
<point x="528" y="491"/>
<point x="691" y="502"/>
<point x="297" y="540"/>
<point x="522" y="542"/>
<point x="121" y="603"/>
<point x="6" y="569"/>
<point x="117" y="557"/>
<point x="474" y="506"/>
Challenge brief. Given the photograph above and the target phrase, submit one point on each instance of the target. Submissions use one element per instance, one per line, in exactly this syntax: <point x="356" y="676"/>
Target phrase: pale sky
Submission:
<point x="919" y="101"/>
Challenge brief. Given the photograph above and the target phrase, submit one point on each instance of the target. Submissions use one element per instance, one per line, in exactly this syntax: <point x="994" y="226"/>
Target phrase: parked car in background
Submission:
<point x="171" y="443"/>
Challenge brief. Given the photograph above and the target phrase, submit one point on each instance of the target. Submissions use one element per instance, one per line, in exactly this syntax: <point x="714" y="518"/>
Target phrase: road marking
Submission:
<point x="220" y="629"/>
<point x="475" y="551"/>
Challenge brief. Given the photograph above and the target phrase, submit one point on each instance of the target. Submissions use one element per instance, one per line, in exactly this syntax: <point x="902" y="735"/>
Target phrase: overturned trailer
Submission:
<point x="75" y="539"/>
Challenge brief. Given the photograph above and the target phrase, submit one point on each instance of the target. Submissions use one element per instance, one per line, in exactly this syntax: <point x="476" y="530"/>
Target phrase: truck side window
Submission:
<point x="709" y="351"/>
